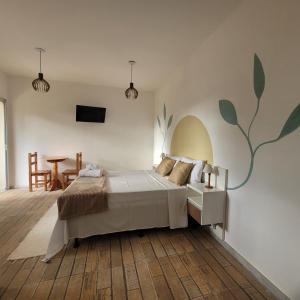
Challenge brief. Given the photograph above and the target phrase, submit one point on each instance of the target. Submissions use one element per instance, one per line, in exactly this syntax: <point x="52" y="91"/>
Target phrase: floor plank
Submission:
<point x="74" y="287"/>
<point x="43" y="290"/>
<point x="162" y="289"/>
<point x="173" y="281"/>
<point x="147" y="286"/>
<point x="17" y="283"/>
<point x="89" y="286"/>
<point x="33" y="280"/>
<point x="59" y="288"/>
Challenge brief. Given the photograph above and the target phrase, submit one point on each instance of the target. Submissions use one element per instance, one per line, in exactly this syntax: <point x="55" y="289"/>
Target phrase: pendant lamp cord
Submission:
<point x="40" y="61"/>
<point x="131" y="73"/>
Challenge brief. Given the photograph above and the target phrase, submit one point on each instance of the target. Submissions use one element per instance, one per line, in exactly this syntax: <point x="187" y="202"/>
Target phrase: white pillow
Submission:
<point x="177" y="158"/>
<point x="90" y="166"/>
<point x="187" y="160"/>
<point x="196" y="173"/>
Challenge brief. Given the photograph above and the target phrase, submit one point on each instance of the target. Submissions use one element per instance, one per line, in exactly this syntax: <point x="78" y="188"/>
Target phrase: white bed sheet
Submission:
<point x="136" y="200"/>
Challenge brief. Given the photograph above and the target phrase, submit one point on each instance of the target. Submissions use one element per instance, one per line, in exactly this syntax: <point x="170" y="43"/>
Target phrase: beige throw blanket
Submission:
<point x="85" y="195"/>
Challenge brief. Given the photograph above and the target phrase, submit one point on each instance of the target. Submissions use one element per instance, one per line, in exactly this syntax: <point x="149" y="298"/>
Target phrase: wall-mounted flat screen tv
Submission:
<point x="90" y="114"/>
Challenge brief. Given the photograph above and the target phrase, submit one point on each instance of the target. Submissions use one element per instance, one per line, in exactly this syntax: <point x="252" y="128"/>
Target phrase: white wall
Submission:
<point x="3" y="85"/>
<point x="263" y="215"/>
<point x="2" y="148"/>
<point x="3" y="94"/>
<point x="46" y="123"/>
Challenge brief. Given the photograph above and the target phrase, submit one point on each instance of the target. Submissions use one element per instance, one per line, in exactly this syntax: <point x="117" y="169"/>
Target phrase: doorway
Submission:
<point x="3" y="146"/>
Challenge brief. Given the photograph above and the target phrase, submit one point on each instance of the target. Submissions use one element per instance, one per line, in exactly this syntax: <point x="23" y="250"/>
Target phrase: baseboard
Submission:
<point x="13" y="187"/>
<point x="278" y="294"/>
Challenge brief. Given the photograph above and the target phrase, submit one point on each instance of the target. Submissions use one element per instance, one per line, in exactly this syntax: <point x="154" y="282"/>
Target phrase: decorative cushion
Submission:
<point x="197" y="172"/>
<point x="165" y="166"/>
<point x="180" y="173"/>
<point x="177" y="158"/>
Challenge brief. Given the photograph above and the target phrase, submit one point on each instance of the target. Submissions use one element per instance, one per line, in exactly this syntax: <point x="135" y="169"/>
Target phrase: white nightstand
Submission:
<point x="205" y="205"/>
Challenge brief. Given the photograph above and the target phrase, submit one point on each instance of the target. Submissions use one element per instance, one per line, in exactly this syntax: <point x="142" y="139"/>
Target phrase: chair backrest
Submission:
<point x="78" y="161"/>
<point x="32" y="162"/>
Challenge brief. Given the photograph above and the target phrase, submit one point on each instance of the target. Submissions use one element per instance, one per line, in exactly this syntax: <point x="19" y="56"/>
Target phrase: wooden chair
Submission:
<point x="36" y="173"/>
<point x="72" y="172"/>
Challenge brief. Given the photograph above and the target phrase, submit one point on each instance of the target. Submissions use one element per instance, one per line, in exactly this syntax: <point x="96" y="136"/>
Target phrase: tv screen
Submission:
<point x="90" y="114"/>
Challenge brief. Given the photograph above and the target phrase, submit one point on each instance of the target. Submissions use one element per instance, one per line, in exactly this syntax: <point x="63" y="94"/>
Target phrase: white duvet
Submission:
<point x="136" y="200"/>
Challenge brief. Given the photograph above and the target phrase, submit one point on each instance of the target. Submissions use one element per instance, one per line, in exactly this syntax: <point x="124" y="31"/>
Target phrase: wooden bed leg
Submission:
<point x="141" y="233"/>
<point x="76" y="243"/>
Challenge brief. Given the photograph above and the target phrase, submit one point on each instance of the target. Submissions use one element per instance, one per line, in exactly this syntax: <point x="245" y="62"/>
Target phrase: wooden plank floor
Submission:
<point x="163" y="264"/>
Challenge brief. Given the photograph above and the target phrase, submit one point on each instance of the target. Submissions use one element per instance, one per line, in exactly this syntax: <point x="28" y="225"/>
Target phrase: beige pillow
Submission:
<point x="181" y="172"/>
<point x="166" y="166"/>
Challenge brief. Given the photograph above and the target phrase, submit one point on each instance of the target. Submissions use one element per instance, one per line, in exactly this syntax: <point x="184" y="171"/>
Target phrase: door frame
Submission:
<point x="4" y="101"/>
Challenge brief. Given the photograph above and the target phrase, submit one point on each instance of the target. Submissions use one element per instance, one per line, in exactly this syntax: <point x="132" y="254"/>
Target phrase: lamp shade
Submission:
<point x="40" y="84"/>
<point x="131" y="93"/>
<point x="208" y="168"/>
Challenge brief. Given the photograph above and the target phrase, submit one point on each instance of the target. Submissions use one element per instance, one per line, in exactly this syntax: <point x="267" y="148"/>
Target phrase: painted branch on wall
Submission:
<point x="164" y="126"/>
<point x="229" y="114"/>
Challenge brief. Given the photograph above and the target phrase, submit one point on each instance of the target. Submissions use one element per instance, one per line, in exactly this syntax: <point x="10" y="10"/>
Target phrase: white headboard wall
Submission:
<point x="220" y="178"/>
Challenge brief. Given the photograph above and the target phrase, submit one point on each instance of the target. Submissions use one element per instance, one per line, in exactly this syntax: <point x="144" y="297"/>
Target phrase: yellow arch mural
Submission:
<point x="191" y="139"/>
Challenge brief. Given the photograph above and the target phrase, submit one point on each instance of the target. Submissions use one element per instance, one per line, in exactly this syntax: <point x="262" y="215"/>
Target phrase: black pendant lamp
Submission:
<point x="131" y="93"/>
<point x="40" y="84"/>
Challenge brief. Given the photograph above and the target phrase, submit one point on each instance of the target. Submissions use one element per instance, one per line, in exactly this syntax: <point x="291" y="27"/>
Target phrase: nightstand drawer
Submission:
<point x="205" y="205"/>
<point x="194" y="212"/>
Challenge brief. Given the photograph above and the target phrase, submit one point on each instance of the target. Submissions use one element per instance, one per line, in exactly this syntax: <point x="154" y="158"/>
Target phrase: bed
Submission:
<point x="136" y="200"/>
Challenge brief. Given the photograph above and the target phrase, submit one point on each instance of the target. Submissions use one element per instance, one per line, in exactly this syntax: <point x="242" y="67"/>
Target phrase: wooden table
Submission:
<point x="55" y="183"/>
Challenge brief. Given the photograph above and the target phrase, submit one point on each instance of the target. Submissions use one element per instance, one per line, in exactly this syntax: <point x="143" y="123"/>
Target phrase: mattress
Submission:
<point x="136" y="200"/>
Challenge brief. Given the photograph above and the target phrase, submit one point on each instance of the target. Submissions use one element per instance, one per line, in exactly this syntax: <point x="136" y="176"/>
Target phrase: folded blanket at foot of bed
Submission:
<point x="91" y="173"/>
<point x="84" y="196"/>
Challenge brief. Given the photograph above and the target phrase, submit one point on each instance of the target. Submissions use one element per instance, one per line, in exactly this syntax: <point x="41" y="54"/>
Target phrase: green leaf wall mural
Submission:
<point x="164" y="126"/>
<point x="229" y="114"/>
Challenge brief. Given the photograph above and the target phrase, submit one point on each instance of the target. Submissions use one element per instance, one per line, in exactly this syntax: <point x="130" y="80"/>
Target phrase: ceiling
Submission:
<point x="91" y="41"/>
